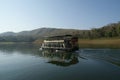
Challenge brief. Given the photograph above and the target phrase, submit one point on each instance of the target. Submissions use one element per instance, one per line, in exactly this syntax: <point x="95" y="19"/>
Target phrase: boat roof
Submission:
<point x="59" y="37"/>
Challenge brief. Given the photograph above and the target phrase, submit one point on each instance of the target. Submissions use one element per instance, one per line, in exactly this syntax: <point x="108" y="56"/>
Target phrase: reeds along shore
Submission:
<point x="99" y="43"/>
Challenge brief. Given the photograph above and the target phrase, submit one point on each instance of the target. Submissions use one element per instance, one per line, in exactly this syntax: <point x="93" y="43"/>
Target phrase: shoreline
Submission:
<point x="83" y="43"/>
<point x="15" y="42"/>
<point x="99" y="41"/>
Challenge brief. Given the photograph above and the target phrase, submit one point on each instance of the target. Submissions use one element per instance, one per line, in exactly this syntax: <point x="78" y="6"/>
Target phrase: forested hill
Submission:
<point x="29" y="36"/>
<point x="108" y="31"/>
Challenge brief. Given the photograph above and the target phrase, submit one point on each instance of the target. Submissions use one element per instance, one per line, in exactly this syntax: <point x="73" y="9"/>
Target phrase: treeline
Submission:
<point x="108" y="31"/>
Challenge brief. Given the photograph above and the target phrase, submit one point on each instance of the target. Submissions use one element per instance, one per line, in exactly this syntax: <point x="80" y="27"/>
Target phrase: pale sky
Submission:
<point x="20" y="15"/>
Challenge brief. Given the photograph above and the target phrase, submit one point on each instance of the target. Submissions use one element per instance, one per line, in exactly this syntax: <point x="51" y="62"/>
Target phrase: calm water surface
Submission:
<point x="26" y="62"/>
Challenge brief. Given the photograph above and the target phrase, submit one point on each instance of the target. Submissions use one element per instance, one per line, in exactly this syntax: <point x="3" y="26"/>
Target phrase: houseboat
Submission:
<point x="63" y="42"/>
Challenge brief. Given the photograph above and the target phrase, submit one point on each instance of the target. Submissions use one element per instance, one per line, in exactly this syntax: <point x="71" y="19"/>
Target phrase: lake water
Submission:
<point x="26" y="62"/>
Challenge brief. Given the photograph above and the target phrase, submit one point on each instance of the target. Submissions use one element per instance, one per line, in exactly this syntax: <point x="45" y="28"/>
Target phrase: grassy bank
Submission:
<point x="99" y="43"/>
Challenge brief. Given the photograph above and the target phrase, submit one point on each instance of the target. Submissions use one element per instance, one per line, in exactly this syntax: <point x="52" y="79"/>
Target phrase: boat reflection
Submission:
<point x="61" y="58"/>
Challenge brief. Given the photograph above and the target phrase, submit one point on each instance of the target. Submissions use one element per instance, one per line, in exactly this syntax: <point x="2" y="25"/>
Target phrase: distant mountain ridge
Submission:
<point x="41" y="32"/>
<point x="8" y="34"/>
<point x="108" y="31"/>
<point x="28" y="36"/>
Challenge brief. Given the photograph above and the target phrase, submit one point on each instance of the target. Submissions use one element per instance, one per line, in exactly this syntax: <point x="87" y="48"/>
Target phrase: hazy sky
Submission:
<point x="18" y="15"/>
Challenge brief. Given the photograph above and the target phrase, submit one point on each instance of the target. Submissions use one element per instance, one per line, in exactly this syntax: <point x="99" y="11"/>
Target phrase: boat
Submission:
<point x="62" y="42"/>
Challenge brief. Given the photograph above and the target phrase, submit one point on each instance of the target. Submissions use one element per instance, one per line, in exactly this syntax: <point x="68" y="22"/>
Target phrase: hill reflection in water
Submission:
<point x="60" y="58"/>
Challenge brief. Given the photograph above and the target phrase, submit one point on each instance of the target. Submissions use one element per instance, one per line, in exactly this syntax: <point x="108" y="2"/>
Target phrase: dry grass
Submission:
<point x="100" y="41"/>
